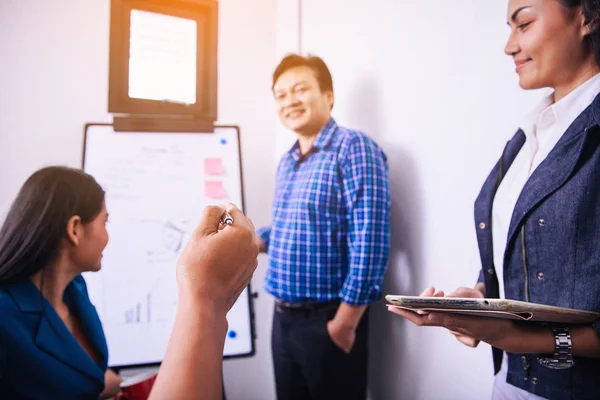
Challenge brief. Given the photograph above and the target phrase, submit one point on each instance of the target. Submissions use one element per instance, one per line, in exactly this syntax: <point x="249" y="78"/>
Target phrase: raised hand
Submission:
<point x="219" y="260"/>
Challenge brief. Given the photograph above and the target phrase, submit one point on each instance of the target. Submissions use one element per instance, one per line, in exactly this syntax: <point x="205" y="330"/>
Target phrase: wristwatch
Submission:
<point x="563" y="356"/>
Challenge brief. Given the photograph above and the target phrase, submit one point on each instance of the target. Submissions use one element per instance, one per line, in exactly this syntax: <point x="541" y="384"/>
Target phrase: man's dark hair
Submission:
<point x="313" y="62"/>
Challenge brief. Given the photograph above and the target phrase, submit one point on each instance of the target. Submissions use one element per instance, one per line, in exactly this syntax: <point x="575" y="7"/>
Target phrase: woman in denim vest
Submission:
<point x="538" y="214"/>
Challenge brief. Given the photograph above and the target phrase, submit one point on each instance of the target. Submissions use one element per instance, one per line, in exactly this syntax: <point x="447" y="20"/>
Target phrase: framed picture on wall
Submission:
<point x="163" y="58"/>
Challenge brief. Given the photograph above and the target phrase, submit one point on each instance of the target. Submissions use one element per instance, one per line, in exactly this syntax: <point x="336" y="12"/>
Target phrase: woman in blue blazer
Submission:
<point x="51" y="341"/>
<point x="538" y="214"/>
<point x="52" y="345"/>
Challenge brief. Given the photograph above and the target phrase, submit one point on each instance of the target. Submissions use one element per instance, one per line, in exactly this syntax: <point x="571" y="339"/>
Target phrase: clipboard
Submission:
<point x="495" y="308"/>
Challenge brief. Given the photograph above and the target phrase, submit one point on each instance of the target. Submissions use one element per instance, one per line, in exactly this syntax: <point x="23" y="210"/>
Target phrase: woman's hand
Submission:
<point x="460" y="292"/>
<point x="112" y="384"/>
<point x="218" y="261"/>
<point x="215" y="266"/>
<point x="469" y="330"/>
<point x="476" y="293"/>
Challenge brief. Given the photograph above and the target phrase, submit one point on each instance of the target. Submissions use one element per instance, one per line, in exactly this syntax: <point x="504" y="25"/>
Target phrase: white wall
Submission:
<point x="429" y="81"/>
<point x="54" y="79"/>
<point x="246" y="59"/>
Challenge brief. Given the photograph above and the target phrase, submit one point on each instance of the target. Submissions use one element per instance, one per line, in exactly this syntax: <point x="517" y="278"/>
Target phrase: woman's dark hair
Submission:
<point x="591" y="14"/>
<point x="36" y="222"/>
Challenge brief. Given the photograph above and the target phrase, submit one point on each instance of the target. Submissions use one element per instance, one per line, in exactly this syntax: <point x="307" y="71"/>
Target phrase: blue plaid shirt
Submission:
<point x="330" y="234"/>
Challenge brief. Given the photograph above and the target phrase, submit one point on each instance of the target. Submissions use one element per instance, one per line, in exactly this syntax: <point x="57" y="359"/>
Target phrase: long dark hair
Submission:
<point x="36" y="222"/>
<point x="591" y="14"/>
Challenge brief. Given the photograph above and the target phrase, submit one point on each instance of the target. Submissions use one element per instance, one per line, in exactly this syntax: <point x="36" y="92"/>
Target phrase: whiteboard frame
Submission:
<point x="250" y="294"/>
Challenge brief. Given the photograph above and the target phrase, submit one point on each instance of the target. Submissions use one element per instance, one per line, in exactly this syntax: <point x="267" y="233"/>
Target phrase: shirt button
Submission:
<point x="541" y="222"/>
<point x="491" y="271"/>
<point x="482" y="225"/>
<point x="534" y="380"/>
<point x="540" y="275"/>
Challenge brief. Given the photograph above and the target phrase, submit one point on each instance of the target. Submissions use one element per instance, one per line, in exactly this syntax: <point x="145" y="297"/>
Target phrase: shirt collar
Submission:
<point x="568" y="108"/>
<point x="528" y="125"/>
<point x="323" y="139"/>
<point x="564" y="111"/>
<point x="325" y="136"/>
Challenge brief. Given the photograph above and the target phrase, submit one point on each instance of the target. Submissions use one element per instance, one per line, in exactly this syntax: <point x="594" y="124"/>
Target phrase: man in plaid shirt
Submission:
<point x="329" y="241"/>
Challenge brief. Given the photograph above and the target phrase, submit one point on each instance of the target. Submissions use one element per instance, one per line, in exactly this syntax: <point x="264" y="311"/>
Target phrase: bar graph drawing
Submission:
<point x="141" y="312"/>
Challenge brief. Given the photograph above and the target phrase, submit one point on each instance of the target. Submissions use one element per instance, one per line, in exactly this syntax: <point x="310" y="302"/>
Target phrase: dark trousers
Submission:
<point x="309" y="366"/>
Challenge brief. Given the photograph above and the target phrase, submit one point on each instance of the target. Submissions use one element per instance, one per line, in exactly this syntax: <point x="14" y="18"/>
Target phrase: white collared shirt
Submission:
<point x="543" y="128"/>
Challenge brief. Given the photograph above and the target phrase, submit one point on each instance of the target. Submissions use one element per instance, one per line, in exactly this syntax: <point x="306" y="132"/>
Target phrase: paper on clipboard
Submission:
<point x="496" y="308"/>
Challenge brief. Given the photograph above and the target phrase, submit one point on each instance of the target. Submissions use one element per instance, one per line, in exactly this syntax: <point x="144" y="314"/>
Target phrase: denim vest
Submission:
<point x="553" y="250"/>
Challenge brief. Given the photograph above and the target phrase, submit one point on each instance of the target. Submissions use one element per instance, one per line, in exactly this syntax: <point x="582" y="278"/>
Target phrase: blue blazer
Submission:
<point x="39" y="357"/>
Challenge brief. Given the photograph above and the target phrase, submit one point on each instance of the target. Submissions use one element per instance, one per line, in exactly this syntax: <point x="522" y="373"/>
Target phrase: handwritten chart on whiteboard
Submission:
<point x="157" y="185"/>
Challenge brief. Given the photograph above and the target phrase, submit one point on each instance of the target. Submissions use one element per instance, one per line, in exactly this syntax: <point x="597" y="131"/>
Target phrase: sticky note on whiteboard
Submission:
<point x="214" y="189"/>
<point x="214" y="166"/>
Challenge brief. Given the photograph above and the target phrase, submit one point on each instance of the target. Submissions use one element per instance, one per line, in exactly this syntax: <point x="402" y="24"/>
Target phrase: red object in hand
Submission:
<point x="137" y="387"/>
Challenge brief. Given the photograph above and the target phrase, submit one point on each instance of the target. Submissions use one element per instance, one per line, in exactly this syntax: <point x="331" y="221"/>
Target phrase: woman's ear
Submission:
<point x="74" y="230"/>
<point x="587" y="26"/>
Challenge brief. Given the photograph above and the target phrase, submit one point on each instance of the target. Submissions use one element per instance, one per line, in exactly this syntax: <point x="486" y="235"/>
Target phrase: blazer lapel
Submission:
<point x="483" y="210"/>
<point x="553" y="172"/>
<point x="485" y="200"/>
<point x="55" y="339"/>
<point x="52" y="336"/>
<point x="88" y="316"/>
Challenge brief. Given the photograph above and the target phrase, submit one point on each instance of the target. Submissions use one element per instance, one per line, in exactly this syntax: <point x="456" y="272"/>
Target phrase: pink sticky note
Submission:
<point x="214" y="189"/>
<point x="214" y="166"/>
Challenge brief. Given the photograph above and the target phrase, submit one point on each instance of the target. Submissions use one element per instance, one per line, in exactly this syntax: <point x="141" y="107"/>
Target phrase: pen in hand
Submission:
<point x="226" y="219"/>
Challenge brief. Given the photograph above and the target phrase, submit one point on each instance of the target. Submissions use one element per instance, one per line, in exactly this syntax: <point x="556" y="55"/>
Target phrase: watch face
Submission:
<point x="554" y="363"/>
<point x="561" y="365"/>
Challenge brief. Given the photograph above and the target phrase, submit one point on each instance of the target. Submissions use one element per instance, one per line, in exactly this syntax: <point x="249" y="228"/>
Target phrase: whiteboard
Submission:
<point x="157" y="185"/>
